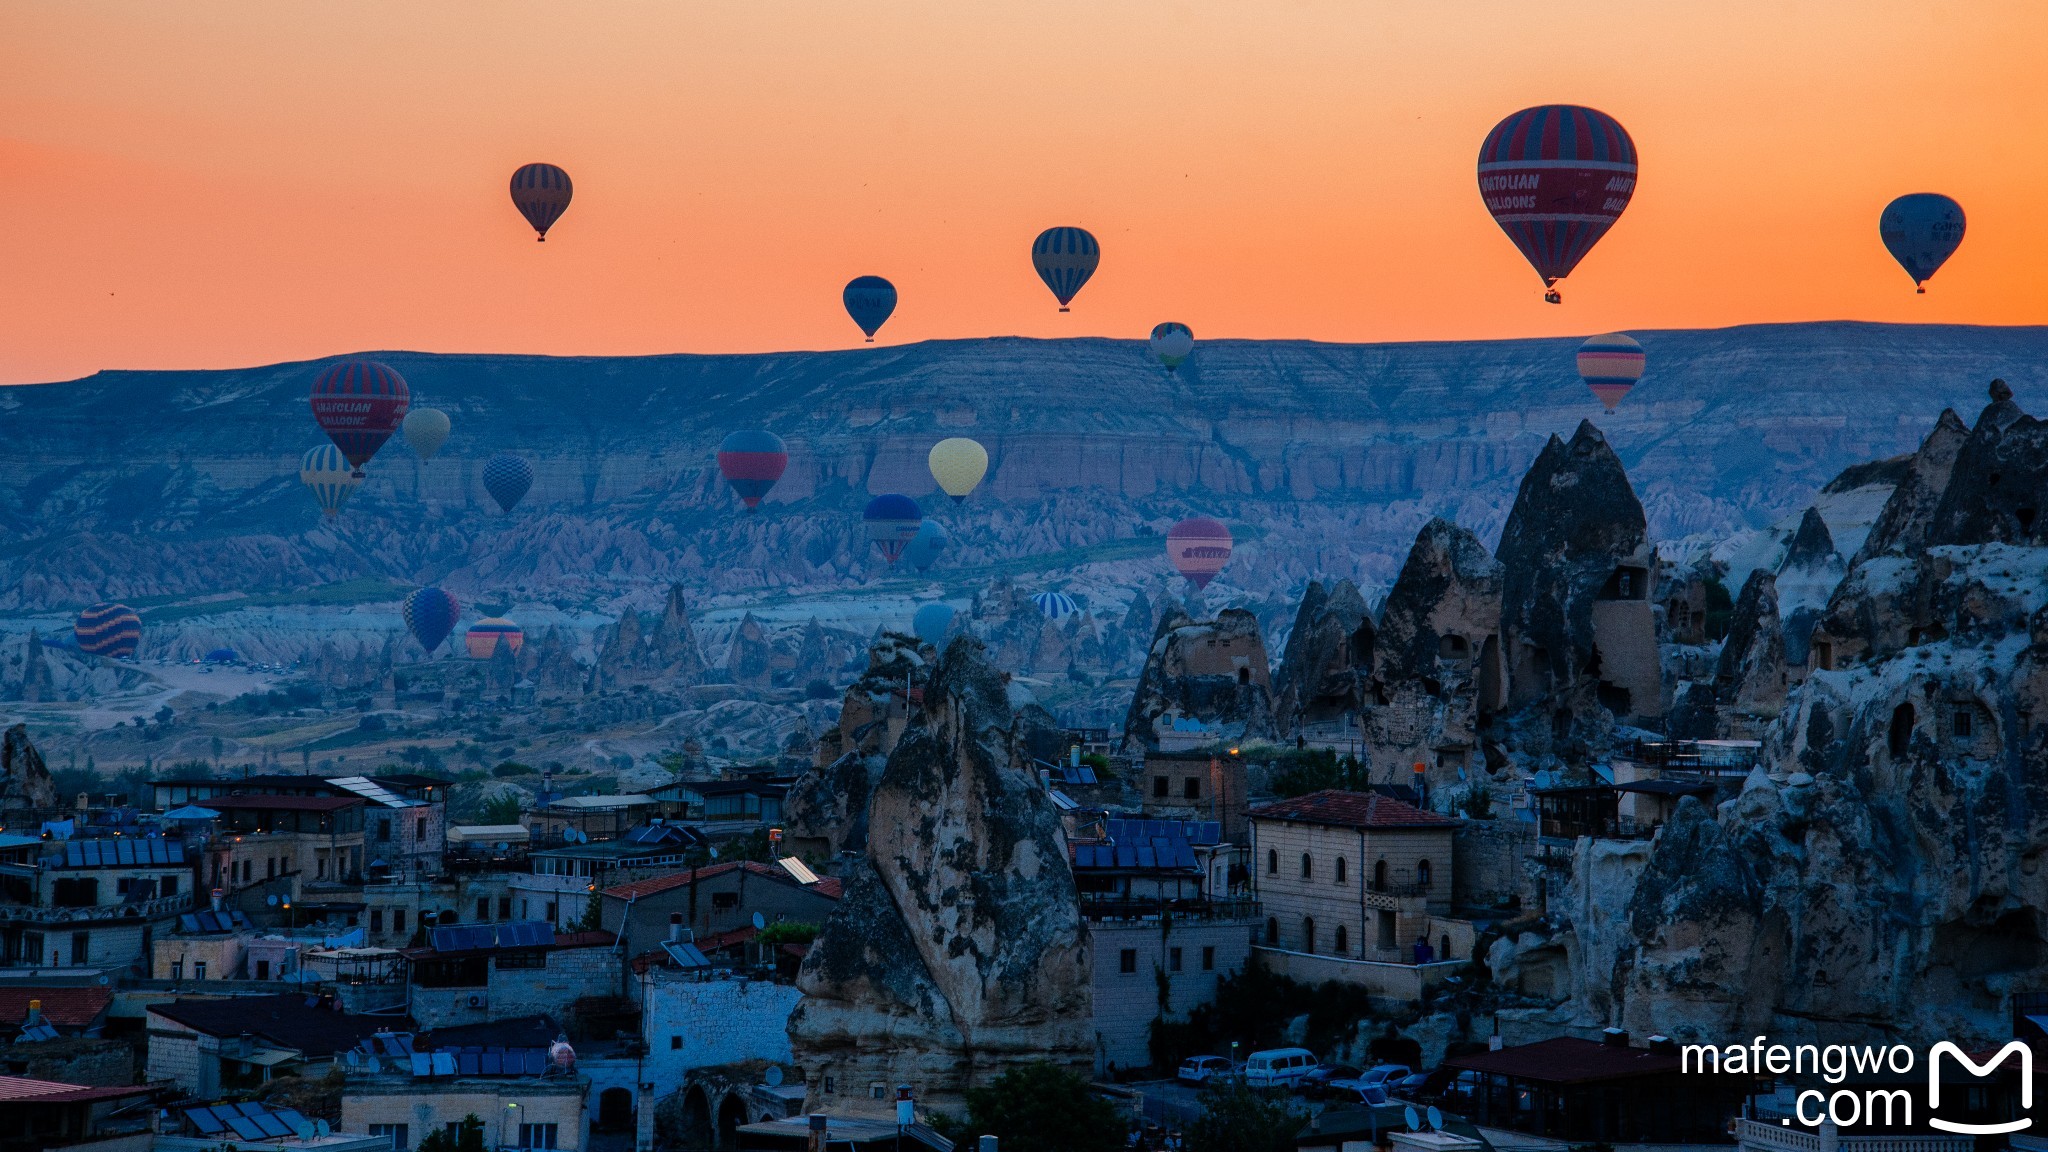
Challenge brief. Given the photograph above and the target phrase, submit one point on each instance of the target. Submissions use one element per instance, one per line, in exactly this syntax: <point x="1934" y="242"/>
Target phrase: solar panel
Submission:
<point x="444" y="1064"/>
<point x="270" y="1125"/>
<point x="469" y="1062"/>
<point x="491" y="1064"/>
<point x="536" y="1062"/>
<point x="291" y="1117"/>
<point x="244" y="1127"/>
<point x="34" y="1032"/>
<point x="204" y="1121"/>
<point x="422" y="1064"/>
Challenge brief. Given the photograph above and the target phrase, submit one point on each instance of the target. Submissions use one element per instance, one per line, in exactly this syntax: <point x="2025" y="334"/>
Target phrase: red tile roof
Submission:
<point x="1569" y="1060"/>
<point x="18" y="1088"/>
<point x="1352" y="810"/>
<point x="286" y="803"/>
<point x="64" y="1007"/>
<point x="827" y="886"/>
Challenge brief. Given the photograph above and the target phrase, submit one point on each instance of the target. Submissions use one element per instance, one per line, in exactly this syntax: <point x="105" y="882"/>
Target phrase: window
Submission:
<point x="1308" y="866"/>
<point x="177" y="969"/>
<point x="167" y="885"/>
<point x="80" y="893"/>
<point x="828" y="1086"/>
<point x="876" y="1090"/>
<point x="1161" y="787"/>
<point x="675" y="1043"/>
<point x="1127" y="960"/>
<point x="384" y="830"/>
<point x="1963" y="721"/>
<point x="1308" y="933"/>
<point x="199" y="969"/>
<point x="504" y="907"/>
<point x="1386" y="942"/>
<point x="376" y="919"/>
<point x="263" y="969"/>
<point x="1173" y="959"/>
<point x="483" y="908"/>
<point x="1422" y="873"/>
<point x="1272" y="930"/>
<point x="81" y="944"/>
<point x="1191" y="788"/>
<point x="1272" y="861"/>
<point x="454" y="1129"/>
<point x="1379" y="875"/>
<point x="725" y="899"/>
<point x="522" y="960"/>
<point x="1208" y="957"/>
<point x="1343" y="941"/>
<point x="398" y="1134"/>
<point x="320" y="868"/>
<point x="398" y="919"/>
<point x="551" y="911"/>
<point x="419" y="829"/>
<point x="537" y="1135"/>
<point x="1340" y="869"/>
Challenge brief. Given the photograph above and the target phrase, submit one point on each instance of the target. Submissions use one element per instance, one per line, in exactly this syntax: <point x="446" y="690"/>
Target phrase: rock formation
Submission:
<point x="1330" y="645"/>
<point x="750" y="662"/>
<point x="826" y="813"/>
<point x="35" y="684"/>
<point x="1805" y="582"/>
<point x="665" y="655"/>
<point x="1750" y="678"/>
<point x="1999" y="485"/>
<point x="1208" y="673"/>
<point x="1903" y="525"/>
<point x="24" y="779"/>
<point x="958" y="951"/>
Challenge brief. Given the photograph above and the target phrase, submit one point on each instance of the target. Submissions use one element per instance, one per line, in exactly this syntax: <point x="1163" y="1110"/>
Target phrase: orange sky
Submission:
<point x="217" y="184"/>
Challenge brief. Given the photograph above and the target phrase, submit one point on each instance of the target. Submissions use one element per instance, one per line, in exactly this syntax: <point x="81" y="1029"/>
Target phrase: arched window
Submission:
<point x="1272" y="930"/>
<point x="1244" y="675"/>
<point x="1340" y="874"/>
<point x="1343" y="941"/>
<point x="1308" y="866"/>
<point x="1272" y="861"/>
<point x="1379" y="875"/>
<point x="1446" y="953"/>
<point x="1422" y="873"/>
<point x="1308" y="933"/>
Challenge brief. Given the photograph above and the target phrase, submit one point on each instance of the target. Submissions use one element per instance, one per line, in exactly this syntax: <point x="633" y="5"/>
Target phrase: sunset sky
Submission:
<point x="220" y="184"/>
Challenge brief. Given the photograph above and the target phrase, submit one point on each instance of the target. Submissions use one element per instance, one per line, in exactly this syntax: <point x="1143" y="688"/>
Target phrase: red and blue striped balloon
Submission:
<point x="752" y="461"/>
<point x="1556" y="178"/>
<point x="507" y="478"/>
<point x="359" y="404"/>
<point x="1610" y="365"/>
<point x="892" y="521"/>
<point x="541" y="192"/>
<point x="108" y="629"/>
<point x="431" y="615"/>
<point x="1065" y="258"/>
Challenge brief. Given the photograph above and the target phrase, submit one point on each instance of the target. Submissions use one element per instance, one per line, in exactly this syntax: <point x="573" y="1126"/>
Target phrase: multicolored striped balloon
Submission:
<point x="1199" y="548"/>
<point x="1055" y="605"/>
<point x="752" y="461"/>
<point x="108" y="629"/>
<point x="485" y="636"/>
<point x="326" y="473"/>
<point x="1610" y="365"/>
<point x="359" y="404"/>
<point x="869" y="300"/>
<point x="1921" y="230"/>
<point x="431" y="615"/>
<point x="1556" y="178"/>
<point x="892" y="521"/>
<point x="1065" y="259"/>
<point x="1172" y="343"/>
<point x="541" y="193"/>
<point x="507" y="478"/>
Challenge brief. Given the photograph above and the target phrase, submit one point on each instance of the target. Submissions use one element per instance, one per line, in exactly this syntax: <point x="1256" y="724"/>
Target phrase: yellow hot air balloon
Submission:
<point x="958" y="464"/>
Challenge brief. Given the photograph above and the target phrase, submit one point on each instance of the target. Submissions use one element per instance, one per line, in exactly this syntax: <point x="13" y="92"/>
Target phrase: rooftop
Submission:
<point x="1334" y="806"/>
<point x="75" y="1007"/>
<point x="828" y="886"/>
<point x="290" y="1020"/>
<point x="600" y="803"/>
<point x="285" y="803"/>
<point x="19" y="1090"/>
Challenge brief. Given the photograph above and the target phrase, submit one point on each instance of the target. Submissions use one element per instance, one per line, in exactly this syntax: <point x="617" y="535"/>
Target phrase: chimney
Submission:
<point x="216" y="899"/>
<point x="817" y="1132"/>
<point x="1075" y="756"/>
<point x="1664" y="1045"/>
<point x="1614" y="1038"/>
<point x="35" y="1014"/>
<point x="906" y="1108"/>
<point x="675" y="927"/>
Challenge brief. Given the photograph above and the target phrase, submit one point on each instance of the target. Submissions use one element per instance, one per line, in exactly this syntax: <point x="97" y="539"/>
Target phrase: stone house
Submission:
<point x="285" y="843"/>
<point x="525" y="1112"/>
<point x="713" y="901"/>
<point x="89" y="903"/>
<point x="209" y="1046"/>
<point x="475" y="973"/>
<point x="1193" y="786"/>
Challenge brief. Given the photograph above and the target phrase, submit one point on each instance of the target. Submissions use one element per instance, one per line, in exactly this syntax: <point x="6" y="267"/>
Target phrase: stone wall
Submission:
<point x="1393" y="987"/>
<point x="1187" y="957"/>
<point x="1492" y="860"/>
<point x="705" y="1023"/>
<point x="424" y="1106"/>
<point x="89" y="1060"/>
<point x="570" y="973"/>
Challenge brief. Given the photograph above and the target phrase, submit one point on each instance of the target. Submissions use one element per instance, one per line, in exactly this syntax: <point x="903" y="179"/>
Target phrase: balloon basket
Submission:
<point x="1919" y="291"/>
<point x="1553" y="297"/>
<point x="1064" y="308"/>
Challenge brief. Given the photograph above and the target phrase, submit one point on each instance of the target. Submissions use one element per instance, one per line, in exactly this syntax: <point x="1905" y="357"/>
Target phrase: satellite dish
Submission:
<point x="714" y="853"/>
<point x="270" y="900"/>
<point x="760" y="922"/>
<point x="1414" y="1121"/>
<point x="773" y="1076"/>
<point x="321" y="1127"/>
<point x="1435" y="1118"/>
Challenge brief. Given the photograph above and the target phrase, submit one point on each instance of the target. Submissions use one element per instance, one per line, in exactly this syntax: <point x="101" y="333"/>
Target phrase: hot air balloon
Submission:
<point x="869" y="300"/>
<point x="431" y="614"/>
<point x="958" y="464"/>
<point x="925" y="548"/>
<point x="426" y="429"/>
<point x="108" y="630"/>
<point x="1172" y="343"/>
<point x="1556" y="178"/>
<point x="485" y="636"/>
<point x="327" y="473"/>
<point x="892" y="521"/>
<point x="932" y="622"/>
<point x="541" y="192"/>
<point x="506" y="478"/>
<point x="752" y="461"/>
<point x="1610" y="365"/>
<point x="1921" y="230"/>
<point x="1055" y="605"/>
<point x="359" y="404"/>
<point x="1065" y="259"/>
<point x="1199" y="548"/>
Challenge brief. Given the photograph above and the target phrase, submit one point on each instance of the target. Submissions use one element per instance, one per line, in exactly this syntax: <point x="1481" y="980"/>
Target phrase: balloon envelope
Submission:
<point x="1921" y="230"/>
<point x="108" y="629"/>
<point x="869" y="300"/>
<point x="1198" y="548"/>
<point x="541" y="192"/>
<point x="1610" y="365"/>
<point x="1055" y="605"/>
<point x="326" y="473"/>
<point x="892" y="520"/>
<point x="431" y="614"/>
<point x="426" y="429"/>
<point x="486" y="635"/>
<point x="506" y="478"/>
<point x="1556" y="178"/>
<point x="926" y="547"/>
<point x="1172" y="343"/>
<point x="359" y="404"/>
<point x="932" y="622"/>
<point x="1065" y="258"/>
<point x="958" y="464"/>
<point x="752" y="461"/>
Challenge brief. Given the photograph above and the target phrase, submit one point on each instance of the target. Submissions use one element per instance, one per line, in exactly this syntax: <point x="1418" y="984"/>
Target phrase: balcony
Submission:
<point x="1771" y="1136"/>
<point x="130" y="910"/>
<point x="1108" y="907"/>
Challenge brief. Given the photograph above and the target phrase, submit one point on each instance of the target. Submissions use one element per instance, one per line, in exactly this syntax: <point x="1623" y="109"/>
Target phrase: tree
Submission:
<point x="503" y="810"/>
<point x="1240" y="1119"/>
<point x="468" y="1138"/>
<point x="1044" y="1108"/>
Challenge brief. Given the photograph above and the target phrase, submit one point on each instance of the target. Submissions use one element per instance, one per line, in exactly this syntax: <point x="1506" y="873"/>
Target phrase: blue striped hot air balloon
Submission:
<point x="932" y="622"/>
<point x="869" y="300"/>
<point x="1065" y="258"/>
<point x="892" y="521"/>
<point x="108" y="629"/>
<point x="927" y="546"/>
<point x="1610" y="365"/>
<point x="325" y="472"/>
<point x="431" y="615"/>
<point x="1055" y="605"/>
<point x="506" y="478"/>
<point x="541" y="192"/>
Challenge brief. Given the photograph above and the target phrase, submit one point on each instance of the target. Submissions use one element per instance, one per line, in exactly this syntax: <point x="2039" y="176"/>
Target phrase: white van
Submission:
<point x="1278" y="1067"/>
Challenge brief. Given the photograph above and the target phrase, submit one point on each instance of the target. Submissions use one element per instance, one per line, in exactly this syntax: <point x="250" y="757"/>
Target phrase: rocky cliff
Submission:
<point x="25" y="780"/>
<point x="1208" y="678"/>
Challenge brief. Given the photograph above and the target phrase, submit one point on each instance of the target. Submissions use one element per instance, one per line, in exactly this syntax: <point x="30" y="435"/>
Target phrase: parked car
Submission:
<point x="1278" y="1067"/>
<point x="1411" y="1085"/>
<point x="1382" y="1077"/>
<point x="1199" y="1070"/>
<point x="1369" y="1097"/>
<point x="1318" y="1079"/>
